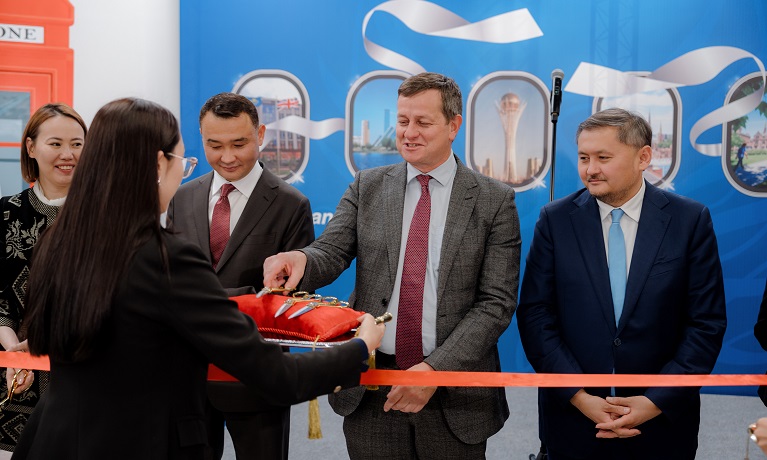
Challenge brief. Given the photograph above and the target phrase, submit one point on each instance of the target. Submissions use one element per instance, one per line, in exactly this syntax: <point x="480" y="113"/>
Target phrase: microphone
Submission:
<point x="556" y="93"/>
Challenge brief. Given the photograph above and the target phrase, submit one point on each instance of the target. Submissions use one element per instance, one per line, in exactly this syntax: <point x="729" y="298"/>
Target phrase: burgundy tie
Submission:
<point x="409" y="344"/>
<point x="219" y="224"/>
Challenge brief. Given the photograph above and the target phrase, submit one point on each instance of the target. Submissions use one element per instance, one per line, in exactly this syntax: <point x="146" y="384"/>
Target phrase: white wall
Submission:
<point x="125" y="48"/>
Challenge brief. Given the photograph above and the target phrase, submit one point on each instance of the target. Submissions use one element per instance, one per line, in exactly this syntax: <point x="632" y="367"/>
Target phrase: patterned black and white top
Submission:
<point x="25" y="216"/>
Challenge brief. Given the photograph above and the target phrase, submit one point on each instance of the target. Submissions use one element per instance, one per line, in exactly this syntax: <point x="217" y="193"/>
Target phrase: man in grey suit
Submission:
<point x="466" y="289"/>
<point x="266" y="216"/>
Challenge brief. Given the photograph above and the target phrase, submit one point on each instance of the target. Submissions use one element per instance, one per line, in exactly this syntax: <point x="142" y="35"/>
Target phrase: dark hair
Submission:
<point x="230" y="105"/>
<point x="112" y="208"/>
<point x="29" y="169"/>
<point x="633" y="130"/>
<point x="452" y="103"/>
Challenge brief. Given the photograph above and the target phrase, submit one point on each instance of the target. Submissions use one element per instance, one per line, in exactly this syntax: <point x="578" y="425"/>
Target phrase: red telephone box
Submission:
<point x="36" y="67"/>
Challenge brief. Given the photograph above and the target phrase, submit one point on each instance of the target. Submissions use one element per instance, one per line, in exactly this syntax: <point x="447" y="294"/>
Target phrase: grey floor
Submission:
<point x="722" y="432"/>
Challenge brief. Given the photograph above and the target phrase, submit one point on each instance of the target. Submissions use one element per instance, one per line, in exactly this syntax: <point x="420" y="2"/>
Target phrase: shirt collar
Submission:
<point x="244" y="185"/>
<point x="632" y="208"/>
<point x="38" y="191"/>
<point x="441" y="173"/>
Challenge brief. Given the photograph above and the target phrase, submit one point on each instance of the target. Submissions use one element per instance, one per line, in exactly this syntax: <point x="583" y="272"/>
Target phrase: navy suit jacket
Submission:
<point x="673" y="320"/>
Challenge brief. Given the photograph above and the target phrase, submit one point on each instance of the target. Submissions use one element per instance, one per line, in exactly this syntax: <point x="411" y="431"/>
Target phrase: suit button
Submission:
<point x="617" y="342"/>
<point x="337" y="389"/>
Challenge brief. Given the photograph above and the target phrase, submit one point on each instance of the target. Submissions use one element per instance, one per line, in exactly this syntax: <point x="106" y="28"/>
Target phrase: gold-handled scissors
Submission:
<point x="299" y="296"/>
<point x="323" y="302"/>
<point x="268" y="290"/>
<point x="12" y="390"/>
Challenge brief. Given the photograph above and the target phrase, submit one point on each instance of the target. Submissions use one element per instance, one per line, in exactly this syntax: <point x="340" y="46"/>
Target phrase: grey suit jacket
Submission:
<point x="277" y="218"/>
<point x="477" y="283"/>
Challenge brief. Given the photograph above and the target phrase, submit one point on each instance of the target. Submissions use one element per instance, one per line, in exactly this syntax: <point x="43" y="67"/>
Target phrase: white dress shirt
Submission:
<point x="238" y="197"/>
<point x="440" y="188"/>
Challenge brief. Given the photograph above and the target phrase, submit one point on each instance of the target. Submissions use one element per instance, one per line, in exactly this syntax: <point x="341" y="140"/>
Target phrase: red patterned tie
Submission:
<point x="409" y="344"/>
<point x="219" y="224"/>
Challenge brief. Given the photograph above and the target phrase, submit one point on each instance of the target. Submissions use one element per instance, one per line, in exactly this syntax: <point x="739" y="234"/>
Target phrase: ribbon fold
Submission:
<point x="693" y="68"/>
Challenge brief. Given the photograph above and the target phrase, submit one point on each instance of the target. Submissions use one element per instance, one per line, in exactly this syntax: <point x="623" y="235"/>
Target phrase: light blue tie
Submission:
<point x="616" y="259"/>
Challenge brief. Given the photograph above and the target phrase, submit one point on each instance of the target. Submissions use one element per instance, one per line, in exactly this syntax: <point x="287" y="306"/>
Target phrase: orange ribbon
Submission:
<point x="513" y="379"/>
<point x="478" y="379"/>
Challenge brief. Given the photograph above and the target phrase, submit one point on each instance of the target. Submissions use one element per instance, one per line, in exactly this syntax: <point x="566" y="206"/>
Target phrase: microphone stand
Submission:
<point x="553" y="153"/>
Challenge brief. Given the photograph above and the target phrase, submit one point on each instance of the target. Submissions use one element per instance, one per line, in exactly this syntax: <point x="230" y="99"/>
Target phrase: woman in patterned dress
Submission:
<point x="50" y="149"/>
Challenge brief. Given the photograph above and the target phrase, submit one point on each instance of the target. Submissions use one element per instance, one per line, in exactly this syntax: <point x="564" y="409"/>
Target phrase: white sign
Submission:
<point x="22" y="34"/>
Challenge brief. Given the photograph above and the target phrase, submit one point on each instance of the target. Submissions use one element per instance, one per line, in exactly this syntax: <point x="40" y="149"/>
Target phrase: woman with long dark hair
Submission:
<point x="50" y="148"/>
<point x="130" y="315"/>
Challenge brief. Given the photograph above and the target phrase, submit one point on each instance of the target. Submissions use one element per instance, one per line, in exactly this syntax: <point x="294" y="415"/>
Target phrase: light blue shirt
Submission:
<point x="629" y="223"/>
<point x="440" y="188"/>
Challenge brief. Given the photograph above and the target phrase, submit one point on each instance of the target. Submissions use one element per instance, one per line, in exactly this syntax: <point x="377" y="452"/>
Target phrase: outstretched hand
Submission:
<point x="370" y="332"/>
<point x="290" y="265"/>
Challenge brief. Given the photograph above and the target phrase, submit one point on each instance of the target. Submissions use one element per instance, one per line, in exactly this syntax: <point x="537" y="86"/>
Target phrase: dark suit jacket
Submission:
<point x="142" y="395"/>
<point x="760" y="328"/>
<point x="477" y="283"/>
<point x="276" y="218"/>
<point x="673" y="319"/>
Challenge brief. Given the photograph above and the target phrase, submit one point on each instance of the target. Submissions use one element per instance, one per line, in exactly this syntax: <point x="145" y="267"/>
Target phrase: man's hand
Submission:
<point x="285" y="264"/>
<point x="407" y="398"/>
<point x="759" y="429"/>
<point x="599" y="410"/>
<point x="641" y="410"/>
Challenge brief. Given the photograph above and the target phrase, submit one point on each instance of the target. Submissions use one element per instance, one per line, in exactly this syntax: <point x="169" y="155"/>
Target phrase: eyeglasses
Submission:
<point x="188" y="163"/>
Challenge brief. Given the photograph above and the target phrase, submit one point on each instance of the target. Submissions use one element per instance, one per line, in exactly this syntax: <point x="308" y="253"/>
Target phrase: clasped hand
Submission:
<point x="408" y="398"/>
<point x="616" y="417"/>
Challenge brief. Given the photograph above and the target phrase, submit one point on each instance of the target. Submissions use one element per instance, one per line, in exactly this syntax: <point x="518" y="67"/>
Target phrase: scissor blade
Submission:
<point x="301" y="311"/>
<point x="263" y="291"/>
<point x="283" y="308"/>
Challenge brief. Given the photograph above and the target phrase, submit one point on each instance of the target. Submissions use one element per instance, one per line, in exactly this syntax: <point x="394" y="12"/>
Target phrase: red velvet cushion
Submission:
<point x="323" y="323"/>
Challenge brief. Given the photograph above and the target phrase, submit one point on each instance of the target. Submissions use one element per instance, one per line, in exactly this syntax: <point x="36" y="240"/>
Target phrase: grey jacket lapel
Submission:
<point x="394" y="203"/>
<point x="463" y="198"/>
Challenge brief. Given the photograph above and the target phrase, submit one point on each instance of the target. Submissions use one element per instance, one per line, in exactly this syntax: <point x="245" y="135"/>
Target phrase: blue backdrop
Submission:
<point x="324" y="75"/>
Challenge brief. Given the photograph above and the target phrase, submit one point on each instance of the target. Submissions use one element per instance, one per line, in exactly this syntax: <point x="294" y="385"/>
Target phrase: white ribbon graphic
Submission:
<point x="430" y="19"/>
<point x="303" y="127"/>
<point x="693" y="68"/>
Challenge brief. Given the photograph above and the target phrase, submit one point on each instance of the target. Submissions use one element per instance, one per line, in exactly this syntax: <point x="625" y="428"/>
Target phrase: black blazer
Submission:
<point x="142" y="394"/>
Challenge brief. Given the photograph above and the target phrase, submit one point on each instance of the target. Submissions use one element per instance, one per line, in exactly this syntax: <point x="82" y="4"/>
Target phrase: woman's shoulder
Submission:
<point x="15" y="201"/>
<point x="174" y="246"/>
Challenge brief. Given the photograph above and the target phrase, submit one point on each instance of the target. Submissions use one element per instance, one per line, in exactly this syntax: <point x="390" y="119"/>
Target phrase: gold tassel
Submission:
<point x="315" y="428"/>
<point x="372" y="365"/>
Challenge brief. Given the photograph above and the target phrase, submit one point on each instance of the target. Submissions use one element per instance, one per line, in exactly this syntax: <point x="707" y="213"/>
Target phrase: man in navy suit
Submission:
<point x="664" y="315"/>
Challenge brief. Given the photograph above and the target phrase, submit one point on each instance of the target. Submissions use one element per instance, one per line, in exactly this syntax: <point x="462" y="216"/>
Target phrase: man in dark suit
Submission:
<point x="624" y="278"/>
<point x="266" y="216"/>
<point x="760" y="332"/>
<point x="456" y="307"/>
